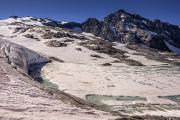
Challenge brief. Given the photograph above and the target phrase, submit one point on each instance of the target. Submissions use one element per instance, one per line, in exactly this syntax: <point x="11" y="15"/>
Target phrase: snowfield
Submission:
<point x="22" y="98"/>
<point x="84" y="73"/>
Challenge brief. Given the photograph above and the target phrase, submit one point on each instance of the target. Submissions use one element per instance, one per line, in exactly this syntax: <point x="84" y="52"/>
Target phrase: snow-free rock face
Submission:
<point x="72" y="26"/>
<point x="20" y="57"/>
<point x="131" y="28"/>
<point x="92" y="25"/>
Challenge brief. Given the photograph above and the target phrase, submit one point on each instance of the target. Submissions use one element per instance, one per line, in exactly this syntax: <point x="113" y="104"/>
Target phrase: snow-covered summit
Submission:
<point x="29" y="20"/>
<point x="24" y="20"/>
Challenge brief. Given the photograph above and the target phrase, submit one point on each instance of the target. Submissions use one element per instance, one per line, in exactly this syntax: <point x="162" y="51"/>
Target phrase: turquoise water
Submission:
<point x="50" y="84"/>
<point x="97" y="99"/>
<point x="175" y="98"/>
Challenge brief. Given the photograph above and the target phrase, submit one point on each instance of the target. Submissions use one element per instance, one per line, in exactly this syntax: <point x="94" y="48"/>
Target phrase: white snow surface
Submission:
<point x="80" y="74"/>
<point x="64" y="22"/>
<point x="24" y="20"/>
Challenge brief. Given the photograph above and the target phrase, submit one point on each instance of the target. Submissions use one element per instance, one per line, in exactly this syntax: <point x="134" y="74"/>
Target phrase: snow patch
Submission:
<point x="122" y="16"/>
<point x="64" y="22"/>
<point x="144" y="22"/>
<point x="167" y="32"/>
<point x="173" y="48"/>
<point x="127" y="27"/>
<point x="151" y="33"/>
<point x="113" y="29"/>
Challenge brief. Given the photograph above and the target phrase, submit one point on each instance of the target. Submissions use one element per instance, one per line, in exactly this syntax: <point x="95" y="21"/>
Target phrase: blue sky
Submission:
<point x="80" y="10"/>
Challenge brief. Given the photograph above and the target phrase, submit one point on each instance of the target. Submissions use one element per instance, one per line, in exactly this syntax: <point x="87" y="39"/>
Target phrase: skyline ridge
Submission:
<point x="119" y="10"/>
<point x="80" y="10"/>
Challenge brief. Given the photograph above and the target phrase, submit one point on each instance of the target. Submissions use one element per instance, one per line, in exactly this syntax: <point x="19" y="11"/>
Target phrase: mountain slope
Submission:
<point x="120" y="26"/>
<point x="131" y="28"/>
<point x="125" y="79"/>
<point x="22" y="98"/>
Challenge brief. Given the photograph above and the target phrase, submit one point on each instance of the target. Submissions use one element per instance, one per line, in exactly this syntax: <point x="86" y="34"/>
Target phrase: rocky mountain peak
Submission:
<point x="92" y="20"/>
<point x="92" y="25"/>
<point x="124" y="27"/>
<point x="121" y="11"/>
<point x="14" y="17"/>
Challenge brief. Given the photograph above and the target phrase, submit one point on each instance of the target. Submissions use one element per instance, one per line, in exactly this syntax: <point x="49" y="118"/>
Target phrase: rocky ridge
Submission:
<point x="122" y="27"/>
<point x="132" y="28"/>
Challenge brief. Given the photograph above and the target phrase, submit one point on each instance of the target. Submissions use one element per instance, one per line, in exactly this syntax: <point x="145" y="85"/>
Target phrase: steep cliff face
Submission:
<point x="19" y="56"/>
<point x="92" y="25"/>
<point x="131" y="28"/>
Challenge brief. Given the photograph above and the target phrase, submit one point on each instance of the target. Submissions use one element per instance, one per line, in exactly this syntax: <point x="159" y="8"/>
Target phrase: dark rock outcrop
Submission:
<point x="14" y="17"/>
<point x="50" y="35"/>
<point x="55" y="43"/>
<point x="70" y="25"/>
<point x="31" y="36"/>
